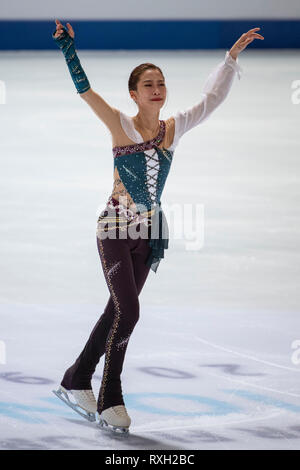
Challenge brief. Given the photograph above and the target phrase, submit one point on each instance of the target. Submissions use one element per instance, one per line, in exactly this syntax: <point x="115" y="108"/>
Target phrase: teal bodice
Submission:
<point x="143" y="169"/>
<point x="133" y="172"/>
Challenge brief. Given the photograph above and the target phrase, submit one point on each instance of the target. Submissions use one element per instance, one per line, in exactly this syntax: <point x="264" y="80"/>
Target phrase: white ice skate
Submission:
<point x="115" y="418"/>
<point x="85" y="401"/>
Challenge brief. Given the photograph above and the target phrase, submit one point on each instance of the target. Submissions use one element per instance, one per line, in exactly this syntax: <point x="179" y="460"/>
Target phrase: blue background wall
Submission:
<point x="155" y="24"/>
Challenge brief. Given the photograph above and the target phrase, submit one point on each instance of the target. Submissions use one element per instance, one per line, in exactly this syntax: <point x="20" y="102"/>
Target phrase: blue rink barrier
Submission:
<point x="150" y="34"/>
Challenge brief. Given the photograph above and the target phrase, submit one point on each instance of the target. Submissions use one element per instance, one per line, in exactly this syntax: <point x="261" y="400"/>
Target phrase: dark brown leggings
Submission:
<point x="125" y="271"/>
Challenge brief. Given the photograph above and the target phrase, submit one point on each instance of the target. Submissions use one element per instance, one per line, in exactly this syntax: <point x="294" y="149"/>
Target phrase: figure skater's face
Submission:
<point x="151" y="90"/>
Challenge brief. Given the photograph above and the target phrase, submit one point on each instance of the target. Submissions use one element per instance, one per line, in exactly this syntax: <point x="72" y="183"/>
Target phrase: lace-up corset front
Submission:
<point x="152" y="163"/>
<point x="140" y="169"/>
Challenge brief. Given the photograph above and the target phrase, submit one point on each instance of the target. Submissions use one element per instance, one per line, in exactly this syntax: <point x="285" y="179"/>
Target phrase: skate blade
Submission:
<point x="118" y="430"/>
<point x="85" y="414"/>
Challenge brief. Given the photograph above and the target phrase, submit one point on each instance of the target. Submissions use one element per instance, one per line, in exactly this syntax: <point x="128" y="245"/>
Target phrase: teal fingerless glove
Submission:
<point x="66" y="44"/>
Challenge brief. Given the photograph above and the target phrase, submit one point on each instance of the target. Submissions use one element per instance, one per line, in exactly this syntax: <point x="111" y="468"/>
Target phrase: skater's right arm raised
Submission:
<point x="65" y="41"/>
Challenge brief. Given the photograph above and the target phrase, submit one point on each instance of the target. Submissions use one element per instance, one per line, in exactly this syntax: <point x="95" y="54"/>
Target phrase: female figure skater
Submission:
<point x="143" y="148"/>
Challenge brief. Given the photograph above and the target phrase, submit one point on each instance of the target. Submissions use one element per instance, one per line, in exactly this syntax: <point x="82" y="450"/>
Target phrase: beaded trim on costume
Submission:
<point x="126" y="214"/>
<point x="124" y="150"/>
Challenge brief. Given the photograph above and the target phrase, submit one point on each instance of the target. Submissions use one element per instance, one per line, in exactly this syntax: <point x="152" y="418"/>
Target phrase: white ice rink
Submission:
<point x="214" y="361"/>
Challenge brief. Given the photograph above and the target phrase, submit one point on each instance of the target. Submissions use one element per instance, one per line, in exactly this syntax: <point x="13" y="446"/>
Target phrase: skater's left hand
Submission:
<point x="243" y="42"/>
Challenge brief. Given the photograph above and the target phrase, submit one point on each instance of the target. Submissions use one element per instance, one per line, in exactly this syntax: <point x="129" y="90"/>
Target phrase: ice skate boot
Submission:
<point x="115" y="418"/>
<point x="85" y="402"/>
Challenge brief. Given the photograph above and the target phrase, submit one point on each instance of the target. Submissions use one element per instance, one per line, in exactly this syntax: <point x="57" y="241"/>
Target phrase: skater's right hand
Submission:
<point x="59" y="29"/>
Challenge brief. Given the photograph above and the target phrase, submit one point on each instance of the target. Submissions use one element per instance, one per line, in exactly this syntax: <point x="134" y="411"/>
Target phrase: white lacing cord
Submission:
<point x="152" y="177"/>
<point x="120" y="410"/>
<point x="84" y="393"/>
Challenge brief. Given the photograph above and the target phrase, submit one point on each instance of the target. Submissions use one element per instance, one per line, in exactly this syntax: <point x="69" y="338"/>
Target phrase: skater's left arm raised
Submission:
<point x="216" y="87"/>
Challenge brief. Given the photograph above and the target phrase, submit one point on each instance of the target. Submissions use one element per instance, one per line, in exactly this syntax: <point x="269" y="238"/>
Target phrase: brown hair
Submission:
<point x="137" y="72"/>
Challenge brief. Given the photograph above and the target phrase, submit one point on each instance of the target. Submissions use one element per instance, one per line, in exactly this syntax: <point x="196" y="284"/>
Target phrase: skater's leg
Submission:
<point x="79" y="375"/>
<point x="120" y="268"/>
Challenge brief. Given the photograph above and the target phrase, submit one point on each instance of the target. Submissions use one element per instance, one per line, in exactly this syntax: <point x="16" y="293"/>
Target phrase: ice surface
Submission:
<point x="213" y="361"/>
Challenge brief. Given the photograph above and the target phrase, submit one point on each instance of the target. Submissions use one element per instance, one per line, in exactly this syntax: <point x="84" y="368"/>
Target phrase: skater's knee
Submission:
<point x="131" y="310"/>
<point x="136" y="314"/>
<point x="128" y="309"/>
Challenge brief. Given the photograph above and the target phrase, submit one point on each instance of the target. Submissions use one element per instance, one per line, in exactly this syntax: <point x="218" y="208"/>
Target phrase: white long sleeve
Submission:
<point x="215" y="90"/>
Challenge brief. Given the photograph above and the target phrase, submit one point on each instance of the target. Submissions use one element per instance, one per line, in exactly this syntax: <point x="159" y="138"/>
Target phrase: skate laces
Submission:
<point x="90" y="395"/>
<point x="85" y="394"/>
<point x="120" y="410"/>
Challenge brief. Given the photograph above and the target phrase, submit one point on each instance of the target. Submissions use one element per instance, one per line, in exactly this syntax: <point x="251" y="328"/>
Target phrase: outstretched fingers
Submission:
<point x="251" y="34"/>
<point x="59" y="28"/>
<point x="70" y="30"/>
